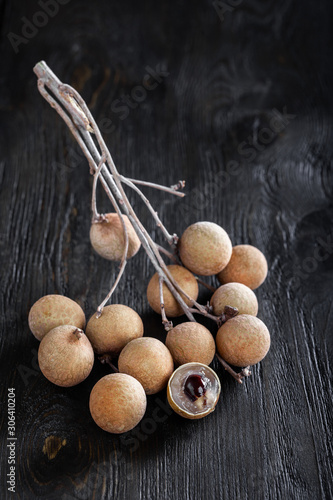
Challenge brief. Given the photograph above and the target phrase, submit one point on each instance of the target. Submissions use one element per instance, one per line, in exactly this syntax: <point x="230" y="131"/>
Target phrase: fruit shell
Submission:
<point x="117" y="403"/>
<point x="118" y="325"/>
<point x="148" y="360"/>
<point x="65" y="356"/>
<point x="247" y="265"/>
<point x="191" y="342"/>
<point x="235" y="295"/>
<point x="205" y="248"/>
<point x="185" y="280"/>
<point x="54" y="310"/>
<point x="108" y="240"/>
<point x="183" y="413"/>
<point x="243" y="340"/>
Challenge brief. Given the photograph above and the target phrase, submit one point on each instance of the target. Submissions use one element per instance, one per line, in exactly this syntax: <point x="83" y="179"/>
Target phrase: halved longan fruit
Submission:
<point x="185" y="280"/>
<point x="189" y="342"/>
<point x="234" y="295"/>
<point x="193" y="390"/>
<point x="149" y="361"/>
<point x="54" y="310"/>
<point x="117" y="403"/>
<point x="65" y="356"/>
<point x="118" y="325"/>
<point x="108" y="239"/>
<point x="243" y="340"/>
<point x="205" y="248"/>
<point x="247" y="265"/>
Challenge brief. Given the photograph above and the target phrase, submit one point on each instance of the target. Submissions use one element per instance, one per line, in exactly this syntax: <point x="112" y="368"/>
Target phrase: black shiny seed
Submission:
<point x="195" y="387"/>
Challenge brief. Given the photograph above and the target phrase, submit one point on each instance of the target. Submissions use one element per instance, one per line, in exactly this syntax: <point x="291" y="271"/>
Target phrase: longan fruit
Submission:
<point x="243" y="340"/>
<point x="185" y="280"/>
<point x="247" y="265"/>
<point x="118" y="325"/>
<point x="65" y="356"/>
<point x="117" y="403"/>
<point x="149" y="361"/>
<point x="205" y="248"/>
<point x="189" y="342"/>
<point x="193" y="390"/>
<point x="235" y="295"/>
<point x="54" y="310"/>
<point x="108" y="239"/>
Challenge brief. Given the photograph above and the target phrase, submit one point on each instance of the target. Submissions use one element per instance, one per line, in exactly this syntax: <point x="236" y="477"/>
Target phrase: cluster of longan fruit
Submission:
<point x="146" y="365"/>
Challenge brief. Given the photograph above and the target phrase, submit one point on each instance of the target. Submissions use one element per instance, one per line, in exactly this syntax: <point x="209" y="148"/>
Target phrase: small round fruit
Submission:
<point x="190" y="342"/>
<point x="185" y="280"/>
<point x="54" y="310"/>
<point x="247" y="265"/>
<point x="193" y="390"/>
<point x="205" y="248"/>
<point x="243" y="340"/>
<point x="149" y="361"/>
<point x="117" y="403"/>
<point x="65" y="356"/>
<point x="108" y="240"/>
<point x="117" y="326"/>
<point x="235" y="295"/>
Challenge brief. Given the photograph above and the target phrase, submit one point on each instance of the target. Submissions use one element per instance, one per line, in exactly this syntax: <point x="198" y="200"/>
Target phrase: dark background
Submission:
<point x="215" y="119"/>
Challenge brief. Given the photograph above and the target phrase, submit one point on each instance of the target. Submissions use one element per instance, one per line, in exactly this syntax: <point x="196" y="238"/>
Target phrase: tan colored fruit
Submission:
<point x="247" y="265"/>
<point x="243" y="340"/>
<point x="205" y="248"/>
<point x="185" y="280"/>
<point x="149" y="361"/>
<point x="108" y="240"/>
<point x="193" y="390"/>
<point x="235" y="295"/>
<point x="54" y="310"/>
<point x="189" y="342"/>
<point x="117" y="403"/>
<point x="117" y="326"/>
<point x="65" y="356"/>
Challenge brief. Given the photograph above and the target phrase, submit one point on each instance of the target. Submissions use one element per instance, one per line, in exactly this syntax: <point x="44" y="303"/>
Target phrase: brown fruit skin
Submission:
<point x="185" y="280"/>
<point x="205" y="248"/>
<point x="117" y="403"/>
<point x="108" y="240"/>
<point x="149" y="361"/>
<point x="189" y="342"/>
<point x="117" y="326"/>
<point x="247" y="265"/>
<point x="243" y="340"/>
<point x="54" y="310"/>
<point x="234" y="295"/>
<point x="65" y="356"/>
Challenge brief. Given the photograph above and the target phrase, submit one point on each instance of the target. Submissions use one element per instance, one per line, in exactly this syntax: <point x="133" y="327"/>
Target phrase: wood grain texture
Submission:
<point x="220" y="119"/>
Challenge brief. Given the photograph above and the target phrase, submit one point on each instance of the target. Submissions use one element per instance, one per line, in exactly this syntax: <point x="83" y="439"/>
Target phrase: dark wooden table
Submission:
<point x="240" y="105"/>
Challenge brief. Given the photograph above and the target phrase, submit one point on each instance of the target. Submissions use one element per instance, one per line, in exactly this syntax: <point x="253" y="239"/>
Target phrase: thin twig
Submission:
<point x="245" y="372"/>
<point x="166" y="323"/>
<point x="206" y="285"/>
<point x="171" y="190"/>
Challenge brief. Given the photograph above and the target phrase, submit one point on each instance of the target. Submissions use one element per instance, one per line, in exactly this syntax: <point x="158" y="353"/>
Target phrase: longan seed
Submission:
<point x="247" y="265"/>
<point x="185" y="280"/>
<point x="149" y="361"/>
<point x="117" y="403"/>
<point x="205" y="248"/>
<point x="118" y="325"/>
<point x="235" y="295"/>
<point x="243" y="340"/>
<point x="189" y="342"/>
<point x="108" y="239"/>
<point x="65" y="356"/>
<point x="54" y="310"/>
